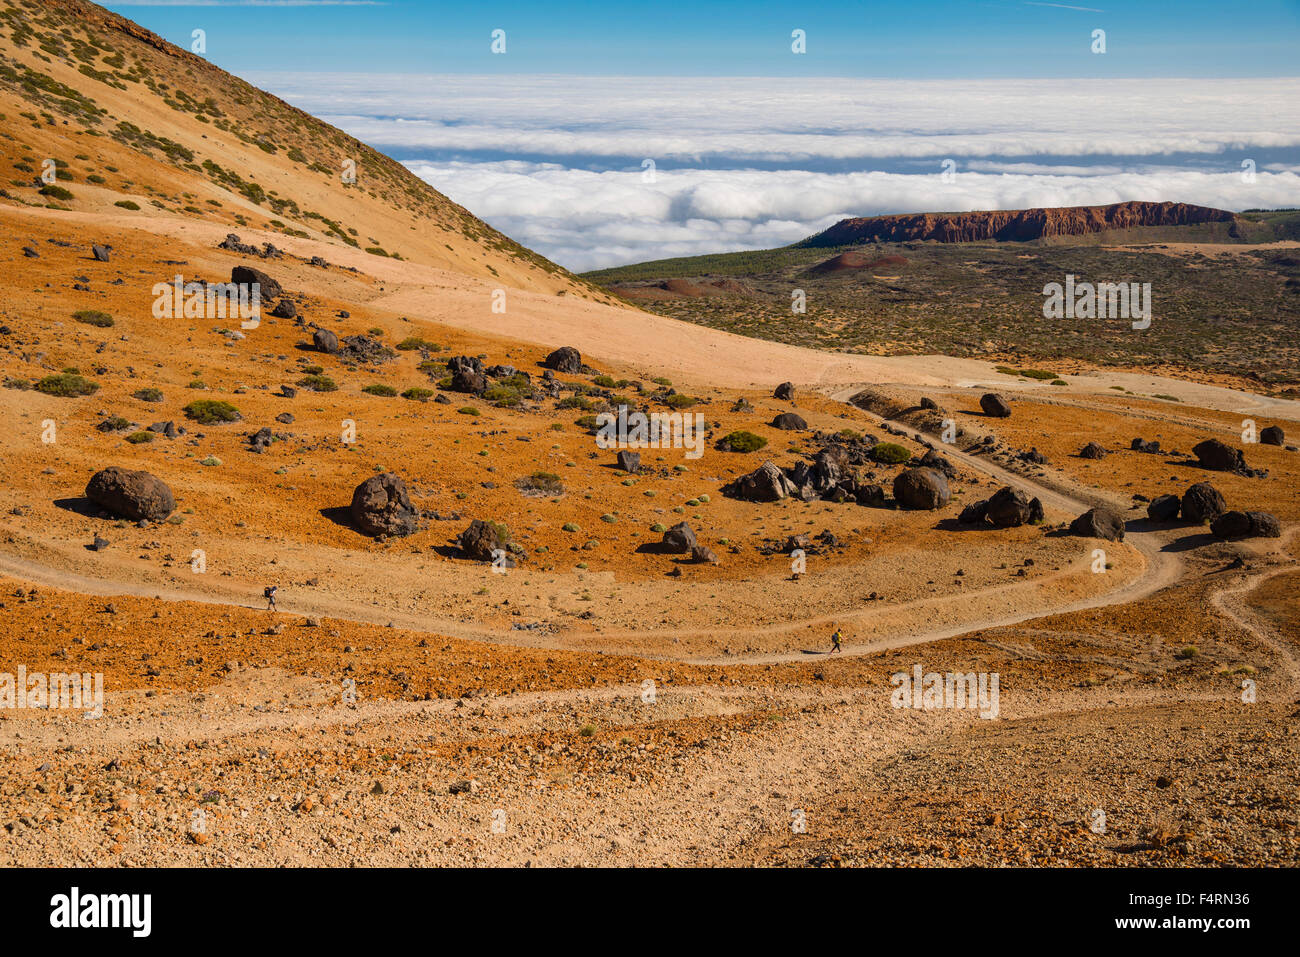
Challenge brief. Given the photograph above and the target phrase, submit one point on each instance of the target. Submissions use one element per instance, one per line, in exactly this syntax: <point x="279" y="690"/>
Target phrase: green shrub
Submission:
<point x="467" y="410"/>
<point x="137" y="437"/>
<point x="548" y="483"/>
<point x="418" y="393"/>
<point x="313" y="370"/>
<point x="501" y="395"/>
<point x="211" y="411"/>
<point x="93" y="317"/>
<point x="574" y="402"/>
<point x="56" y="192"/>
<point x="679" y="401"/>
<point x="411" y="343"/>
<point x="318" y="383"/>
<point x="67" y="385"/>
<point x="380" y="389"/>
<point x="890" y="453"/>
<point x="741" y="441"/>
<point x="127" y="204"/>
<point x="197" y="384"/>
<point x="148" y="395"/>
<point x="588" y="422"/>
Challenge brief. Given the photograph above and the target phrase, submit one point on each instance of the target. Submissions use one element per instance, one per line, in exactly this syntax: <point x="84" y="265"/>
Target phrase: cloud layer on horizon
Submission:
<point x="555" y="162"/>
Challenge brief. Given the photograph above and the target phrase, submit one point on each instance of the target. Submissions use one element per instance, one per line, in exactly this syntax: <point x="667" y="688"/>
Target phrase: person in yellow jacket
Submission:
<point x="837" y="641"/>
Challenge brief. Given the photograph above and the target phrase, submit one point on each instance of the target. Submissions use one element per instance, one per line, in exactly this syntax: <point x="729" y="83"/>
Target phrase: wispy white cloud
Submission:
<point x="555" y="162"/>
<point x="588" y="220"/>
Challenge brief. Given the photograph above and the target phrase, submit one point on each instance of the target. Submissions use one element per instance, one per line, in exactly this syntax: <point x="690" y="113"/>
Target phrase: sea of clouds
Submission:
<point x="560" y="162"/>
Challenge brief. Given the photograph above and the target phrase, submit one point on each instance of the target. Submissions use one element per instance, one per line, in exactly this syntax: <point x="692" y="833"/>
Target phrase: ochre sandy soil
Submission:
<point x="596" y="704"/>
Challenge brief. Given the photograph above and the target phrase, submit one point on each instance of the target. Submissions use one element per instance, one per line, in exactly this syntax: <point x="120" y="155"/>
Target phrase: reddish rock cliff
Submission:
<point x="1014" y="225"/>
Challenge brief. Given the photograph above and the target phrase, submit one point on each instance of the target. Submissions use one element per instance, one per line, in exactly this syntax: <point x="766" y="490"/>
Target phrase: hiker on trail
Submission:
<point x="269" y="594"/>
<point x="836" y="642"/>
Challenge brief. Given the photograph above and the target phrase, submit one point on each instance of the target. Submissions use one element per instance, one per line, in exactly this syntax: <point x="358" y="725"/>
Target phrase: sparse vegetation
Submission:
<point x="211" y="411"/>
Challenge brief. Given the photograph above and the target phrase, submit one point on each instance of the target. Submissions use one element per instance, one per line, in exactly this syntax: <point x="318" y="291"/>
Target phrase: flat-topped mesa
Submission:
<point x="1014" y="225"/>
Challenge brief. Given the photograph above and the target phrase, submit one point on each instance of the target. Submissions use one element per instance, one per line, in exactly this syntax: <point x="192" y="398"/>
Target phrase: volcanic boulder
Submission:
<point x="1142" y="445"/>
<point x="468" y="381"/>
<point x="565" y="359"/>
<point x="1202" y="503"/>
<point x="790" y="422"/>
<point x="994" y="405"/>
<point x="381" y="506"/>
<point x="703" y="555"/>
<point x="921" y="488"/>
<point x="767" y="483"/>
<point x="101" y="252"/>
<point x="679" y="539"/>
<point x="1232" y="525"/>
<point x="267" y="288"/>
<point x="1215" y="455"/>
<point x="1163" y="508"/>
<point x="785" y="391"/>
<point x="933" y="460"/>
<point x="1010" y="508"/>
<point x="975" y="513"/>
<point x="869" y="495"/>
<point x="131" y="494"/>
<point x="1272" y="435"/>
<point x="480" y="540"/>
<point x="1093" y="451"/>
<point x="629" y="461"/>
<point x="1099" y="523"/>
<point x="323" y="340"/>
<point x="465" y="364"/>
<point x="285" y="309"/>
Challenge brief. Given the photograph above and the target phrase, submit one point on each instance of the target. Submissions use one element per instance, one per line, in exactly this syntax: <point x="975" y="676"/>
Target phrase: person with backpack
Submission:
<point x="837" y="640"/>
<point x="269" y="594"/>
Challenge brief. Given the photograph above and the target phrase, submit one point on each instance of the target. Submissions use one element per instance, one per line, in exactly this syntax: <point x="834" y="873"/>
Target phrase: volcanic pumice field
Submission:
<point x="505" y="632"/>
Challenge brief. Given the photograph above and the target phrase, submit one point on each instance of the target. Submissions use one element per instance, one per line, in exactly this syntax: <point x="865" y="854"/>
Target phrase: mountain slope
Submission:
<point x="130" y="118"/>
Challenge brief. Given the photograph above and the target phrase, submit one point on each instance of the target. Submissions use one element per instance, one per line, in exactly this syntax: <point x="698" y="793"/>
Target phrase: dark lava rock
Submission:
<point x="285" y="309"/>
<point x="679" y="539"/>
<point x="465" y="380"/>
<point x="1093" y="451"/>
<point x="1163" y="508"/>
<point x="629" y="461"/>
<point x="136" y="495"/>
<point x="480" y="540"/>
<point x="1099" y="523"/>
<point x="1215" y="455"/>
<point x="785" y="391"/>
<point x="381" y="506"/>
<point x="975" y="513"/>
<point x="1202" y="503"/>
<point x="1233" y="525"/>
<point x="994" y="405"/>
<point x="869" y="495"/>
<point x="565" y="359"/>
<point x="325" y="341"/>
<point x="703" y="555"/>
<point x="1010" y="508"/>
<point x="921" y="488"/>
<point x="767" y="483"/>
<point x="101" y="253"/>
<point x="790" y="422"/>
<point x="267" y="288"/>
<point x="1273" y="435"/>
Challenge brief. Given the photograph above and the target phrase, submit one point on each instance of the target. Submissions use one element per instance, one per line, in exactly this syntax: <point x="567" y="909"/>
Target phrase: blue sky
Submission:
<point x="901" y="38"/>
<point x="613" y="132"/>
